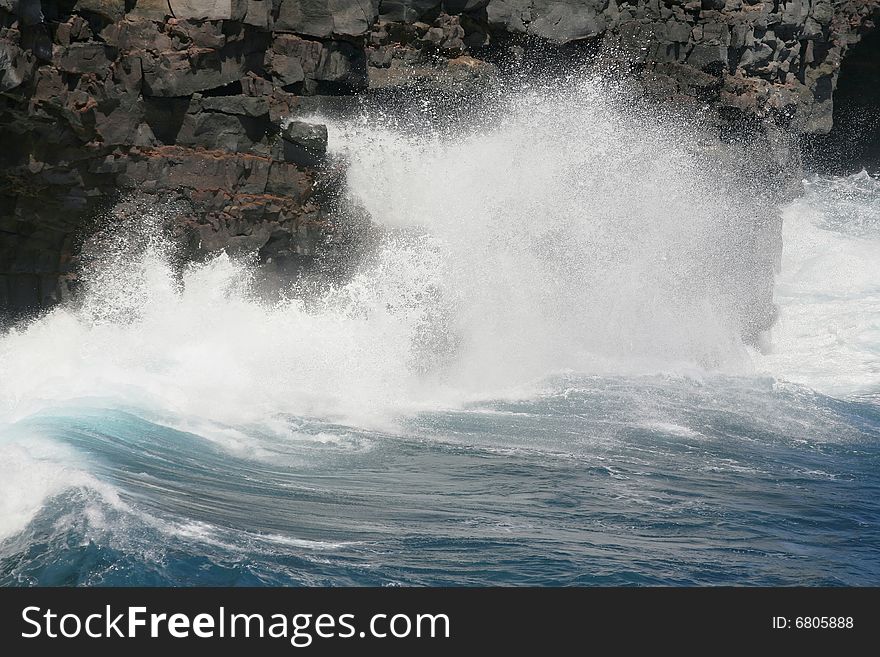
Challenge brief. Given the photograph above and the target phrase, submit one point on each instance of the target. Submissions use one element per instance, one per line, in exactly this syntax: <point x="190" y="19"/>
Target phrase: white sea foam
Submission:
<point x="570" y="233"/>
<point x="828" y="333"/>
<point x="33" y="471"/>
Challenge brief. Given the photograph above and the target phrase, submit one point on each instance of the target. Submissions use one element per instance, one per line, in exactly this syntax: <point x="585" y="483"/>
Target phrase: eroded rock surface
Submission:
<point x="186" y="98"/>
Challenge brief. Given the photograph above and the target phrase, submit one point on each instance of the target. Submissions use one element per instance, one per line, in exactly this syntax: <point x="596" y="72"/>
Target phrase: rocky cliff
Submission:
<point x="185" y="98"/>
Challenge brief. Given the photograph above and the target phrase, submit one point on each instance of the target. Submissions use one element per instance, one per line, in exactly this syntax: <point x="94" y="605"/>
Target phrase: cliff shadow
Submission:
<point x="853" y="143"/>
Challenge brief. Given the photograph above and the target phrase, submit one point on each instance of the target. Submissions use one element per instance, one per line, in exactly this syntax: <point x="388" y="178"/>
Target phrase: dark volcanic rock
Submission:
<point x="181" y="73"/>
<point x="554" y="20"/>
<point x="325" y="18"/>
<point x="304" y="143"/>
<point x="407" y="10"/>
<point x="240" y="105"/>
<point x="184" y="98"/>
<point x="111" y="10"/>
<point x="85" y="58"/>
<point x="293" y="60"/>
<point x="16" y="66"/>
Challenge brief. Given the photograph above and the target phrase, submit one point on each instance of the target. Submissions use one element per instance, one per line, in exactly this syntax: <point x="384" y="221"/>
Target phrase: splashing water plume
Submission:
<point x="574" y="231"/>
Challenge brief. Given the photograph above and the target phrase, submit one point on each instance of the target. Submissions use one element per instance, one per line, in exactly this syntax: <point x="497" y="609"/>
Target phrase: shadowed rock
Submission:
<point x="184" y="97"/>
<point x="304" y="143"/>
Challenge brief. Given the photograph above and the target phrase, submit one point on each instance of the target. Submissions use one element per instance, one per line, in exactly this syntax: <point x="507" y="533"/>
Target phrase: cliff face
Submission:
<point x="185" y="98"/>
<point x="749" y="57"/>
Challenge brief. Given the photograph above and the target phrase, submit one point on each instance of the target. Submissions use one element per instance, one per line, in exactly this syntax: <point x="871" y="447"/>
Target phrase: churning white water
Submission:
<point x="572" y="232"/>
<point x="567" y="235"/>
<point x="828" y="333"/>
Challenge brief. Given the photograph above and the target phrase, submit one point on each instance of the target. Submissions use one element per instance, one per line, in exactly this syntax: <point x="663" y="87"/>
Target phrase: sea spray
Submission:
<point x="578" y="226"/>
<point x="573" y="228"/>
<point x="828" y="290"/>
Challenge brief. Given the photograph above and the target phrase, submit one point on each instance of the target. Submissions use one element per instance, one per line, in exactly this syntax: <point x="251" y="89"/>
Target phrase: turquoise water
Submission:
<point x="597" y="481"/>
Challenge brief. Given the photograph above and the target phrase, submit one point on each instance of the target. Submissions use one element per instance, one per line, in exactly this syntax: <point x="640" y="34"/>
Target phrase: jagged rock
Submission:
<point x="156" y="10"/>
<point x="325" y="18"/>
<point x="290" y="56"/>
<point x="174" y="167"/>
<point x="822" y="11"/>
<point x="381" y="57"/>
<point x="16" y="66"/>
<point x="135" y="35"/>
<point x="225" y="132"/>
<point x="463" y="75"/>
<point x="254" y="85"/>
<point x="195" y="9"/>
<point x="755" y="57"/>
<point x="289" y="180"/>
<point x="447" y="37"/>
<point x="705" y="57"/>
<point x="343" y="65"/>
<point x="112" y="10"/>
<point x="181" y="73"/>
<point x="293" y="59"/>
<point x="407" y="11"/>
<point x="118" y="122"/>
<point x="85" y="58"/>
<point x="555" y="20"/>
<point x="238" y="105"/>
<point x="202" y="34"/>
<point x="259" y="13"/>
<point x="304" y="143"/>
<point x="213" y="10"/>
<point x="183" y="97"/>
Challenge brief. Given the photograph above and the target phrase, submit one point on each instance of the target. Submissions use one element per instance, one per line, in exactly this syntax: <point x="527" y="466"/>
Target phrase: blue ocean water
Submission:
<point x="732" y="482"/>
<point x="522" y="386"/>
